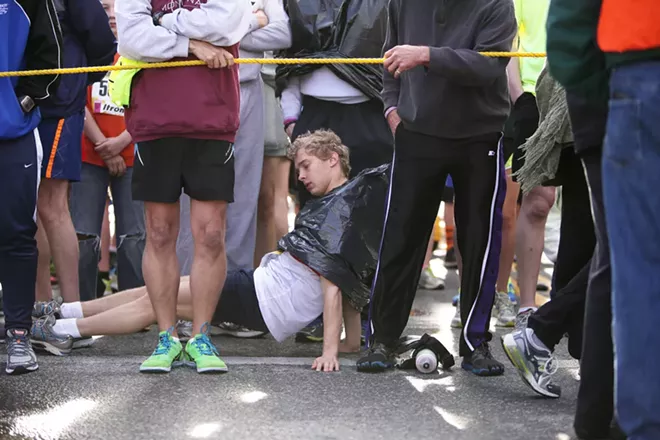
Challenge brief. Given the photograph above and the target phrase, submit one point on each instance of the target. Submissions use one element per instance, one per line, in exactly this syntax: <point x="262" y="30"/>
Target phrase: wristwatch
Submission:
<point x="27" y="103"/>
<point x="157" y="16"/>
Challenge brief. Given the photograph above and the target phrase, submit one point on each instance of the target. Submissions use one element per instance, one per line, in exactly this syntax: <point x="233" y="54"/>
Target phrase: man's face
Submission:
<point x="316" y="174"/>
<point x="109" y="7"/>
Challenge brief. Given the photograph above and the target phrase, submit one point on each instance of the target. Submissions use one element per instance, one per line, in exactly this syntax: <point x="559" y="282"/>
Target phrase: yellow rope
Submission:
<point x="74" y="70"/>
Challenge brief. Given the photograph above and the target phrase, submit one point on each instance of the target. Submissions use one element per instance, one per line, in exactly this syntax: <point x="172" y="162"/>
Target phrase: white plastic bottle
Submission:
<point x="426" y="361"/>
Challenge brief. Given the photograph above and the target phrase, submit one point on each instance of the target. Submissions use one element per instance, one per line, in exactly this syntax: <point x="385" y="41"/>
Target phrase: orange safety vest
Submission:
<point x="629" y="25"/>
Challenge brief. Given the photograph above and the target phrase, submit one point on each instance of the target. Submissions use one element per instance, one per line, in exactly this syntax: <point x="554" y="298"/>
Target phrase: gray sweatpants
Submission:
<point x="248" y="165"/>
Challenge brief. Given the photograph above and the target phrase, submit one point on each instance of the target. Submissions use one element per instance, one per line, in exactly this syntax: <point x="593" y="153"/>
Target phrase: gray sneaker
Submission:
<point x="44" y="338"/>
<point x="505" y="310"/>
<point x="43" y="308"/>
<point x="20" y="355"/>
<point x="456" y="320"/>
<point x="522" y="318"/>
<point x="535" y="366"/>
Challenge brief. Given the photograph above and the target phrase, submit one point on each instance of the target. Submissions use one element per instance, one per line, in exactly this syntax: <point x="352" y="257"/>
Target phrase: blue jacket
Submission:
<point x="30" y="38"/>
<point x="88" y="41"/>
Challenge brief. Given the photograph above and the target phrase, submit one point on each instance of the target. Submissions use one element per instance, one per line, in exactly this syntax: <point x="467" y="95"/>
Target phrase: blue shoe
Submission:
<point x="511" y="290"/>
<point x="312" y="333"/>
<point x="44" y="337"/>
<point x="454" y="300"/>
<point x="481" y="362"/>
<point x="378" y="358"/>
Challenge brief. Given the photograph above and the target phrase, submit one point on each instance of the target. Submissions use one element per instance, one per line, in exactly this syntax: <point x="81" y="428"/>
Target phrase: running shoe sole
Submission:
<point x="507" y="324"/>
<point x="50" y="348"/>
<point x="517" y="360"/>
<point x="161" y="370"/>
<point x="308" y="338"/>
<point x="251" y="334"/>
<point x="21" y="370"/>
<point x="83" y="343"/>
<point x="209" y="370"/>
<point x="483" y="372"/>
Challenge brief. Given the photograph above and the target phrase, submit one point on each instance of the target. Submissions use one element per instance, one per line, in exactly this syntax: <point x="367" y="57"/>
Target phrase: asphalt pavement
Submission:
<point x="270" y="392"/>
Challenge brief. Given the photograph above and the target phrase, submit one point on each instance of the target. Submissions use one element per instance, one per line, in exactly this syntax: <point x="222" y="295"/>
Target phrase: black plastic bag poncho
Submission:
<point x="337" y="29"/>
<point x="338" y="235"/>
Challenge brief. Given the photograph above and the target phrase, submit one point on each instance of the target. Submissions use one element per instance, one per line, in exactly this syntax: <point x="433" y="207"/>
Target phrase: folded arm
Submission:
<point x="467" y="66"/>
<point x="276" y="35"/>
<point x="140" y="39"/>
<point x="219" y="22"/>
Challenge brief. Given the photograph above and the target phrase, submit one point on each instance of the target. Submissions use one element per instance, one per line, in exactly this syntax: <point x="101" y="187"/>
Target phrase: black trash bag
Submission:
<point x="338" y="235"/>
<point x="358" y="30"/>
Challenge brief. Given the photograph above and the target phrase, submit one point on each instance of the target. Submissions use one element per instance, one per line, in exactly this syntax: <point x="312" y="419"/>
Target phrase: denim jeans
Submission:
<point x="87" y="204"/>
<point x="631" y="185"/>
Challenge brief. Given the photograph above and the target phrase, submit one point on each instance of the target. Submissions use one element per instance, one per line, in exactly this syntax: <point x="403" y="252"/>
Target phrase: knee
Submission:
<point x="537" y="204"/>
<point x="162" y="234"/>
<point x="52" y="203"/>
<point x="211" y="239"/>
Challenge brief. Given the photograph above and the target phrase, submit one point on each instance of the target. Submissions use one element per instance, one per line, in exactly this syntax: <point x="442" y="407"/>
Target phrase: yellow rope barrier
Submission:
<point x="73" y="70"/>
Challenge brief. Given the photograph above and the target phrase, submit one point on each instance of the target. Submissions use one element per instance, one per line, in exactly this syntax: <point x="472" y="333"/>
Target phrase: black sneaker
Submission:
<point x="450" y="258"/>
<point x="535" y="366"/>
<point x="482" y="363"/>
<point x="312" y="333"/>
<point x="377" y="358"/>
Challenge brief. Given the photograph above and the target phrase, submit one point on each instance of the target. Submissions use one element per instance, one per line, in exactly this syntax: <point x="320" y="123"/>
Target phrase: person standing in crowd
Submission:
<point x="107" y="155"/>
<point x="88" y="41"/>
<point x="185" y="140"/>
<point x="444" y="69"/>
<point x="30" y="38"/>
<point x="536" y="204"/>
<point x="273" y="211"/>
<point x="323" y="99"/>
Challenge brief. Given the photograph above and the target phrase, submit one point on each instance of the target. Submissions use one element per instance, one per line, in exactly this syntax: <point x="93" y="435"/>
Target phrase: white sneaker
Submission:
<point x="428" y="281"/>
<point x="456" y="320"/>
<point x="505" y="310"/>
<point x="523" y="317"/>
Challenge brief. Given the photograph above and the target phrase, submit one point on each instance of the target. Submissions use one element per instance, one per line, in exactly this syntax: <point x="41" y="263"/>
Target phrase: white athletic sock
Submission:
<point x="67" y="327"/>
<point x="535" y="341"/>
<point x="524" y="309"/>
<point x="71" y="310"/>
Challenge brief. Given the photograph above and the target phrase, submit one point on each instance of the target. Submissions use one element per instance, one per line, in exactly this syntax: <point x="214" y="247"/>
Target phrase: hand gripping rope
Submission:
<point x="74" y="70"/>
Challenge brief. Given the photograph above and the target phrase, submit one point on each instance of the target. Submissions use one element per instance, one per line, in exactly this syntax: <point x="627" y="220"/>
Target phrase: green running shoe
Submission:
<point x="203" y="355"/>
<point x="168" y="354"/>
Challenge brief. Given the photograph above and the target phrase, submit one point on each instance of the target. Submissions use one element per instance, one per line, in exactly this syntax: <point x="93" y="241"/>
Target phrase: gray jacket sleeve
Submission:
<point x="275" y="36"/>
<point x="469" y="68"/>
<point x="391" y="85"/>
<point x="219" y="22"/>
<point x="140" y="40"/>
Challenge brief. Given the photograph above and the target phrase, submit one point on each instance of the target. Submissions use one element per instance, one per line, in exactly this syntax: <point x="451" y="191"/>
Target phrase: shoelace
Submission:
<point x="204" y="345"/>
<point x="522" y="318"/>
<point x="18" y="346"/>
<point x="551" y="366"/>
<point x="164" y="345"/>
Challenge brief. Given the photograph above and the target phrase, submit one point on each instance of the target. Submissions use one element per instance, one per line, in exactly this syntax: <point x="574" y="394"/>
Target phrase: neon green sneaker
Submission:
<point x="203" y="355"/>
<point x="168" y="354"/>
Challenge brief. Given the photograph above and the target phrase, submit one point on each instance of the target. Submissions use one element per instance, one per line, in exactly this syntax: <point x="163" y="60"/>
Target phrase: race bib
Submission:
<point x="101" y="102"/>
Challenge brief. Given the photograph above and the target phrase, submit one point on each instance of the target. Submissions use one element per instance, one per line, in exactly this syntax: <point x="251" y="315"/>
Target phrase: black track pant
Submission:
<point x="421" y="164"/>
<point x="565" y="312"/>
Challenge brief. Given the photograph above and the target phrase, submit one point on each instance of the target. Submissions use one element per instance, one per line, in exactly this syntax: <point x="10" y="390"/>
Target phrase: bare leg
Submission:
<point x="509" y="211"/>
<point x="429" y="254"/>
<point x="450" y="225"/>
<point x="209" y="268"/>
<point x="53" y="208"/>
<point x="272" y="217"/>
<point x="44" y="291"/>
<point x="159" y="262"/>
<point x="103" y="304"/>
<point x="530" y="233"/>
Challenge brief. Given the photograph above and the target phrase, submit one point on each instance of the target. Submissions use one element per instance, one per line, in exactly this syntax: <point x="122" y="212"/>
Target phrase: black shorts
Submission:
<point x="525" y="114"/>
<point x="238" y="303"/>
<point x="204" y="168"/>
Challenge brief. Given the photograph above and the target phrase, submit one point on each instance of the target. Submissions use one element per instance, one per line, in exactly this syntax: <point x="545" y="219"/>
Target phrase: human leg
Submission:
<point x="631" y="157"/>
<point x="595" y="402"/>
<point x="272" y="221"/>
<point x="418" y="176"/>
<point x="19" y="178"/>
<point x="249" y="149"/>
<point x="478" y="209"/>
<point x="61" y="140"/>
<point x="44" y="290"/>
<point x="130" y="232"/>
<point x="530" y="231"/>
<point x="87" y="204"/>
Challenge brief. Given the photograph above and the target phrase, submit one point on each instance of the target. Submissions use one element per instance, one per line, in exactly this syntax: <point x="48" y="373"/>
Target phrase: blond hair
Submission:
<point x="322" y="143"/>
